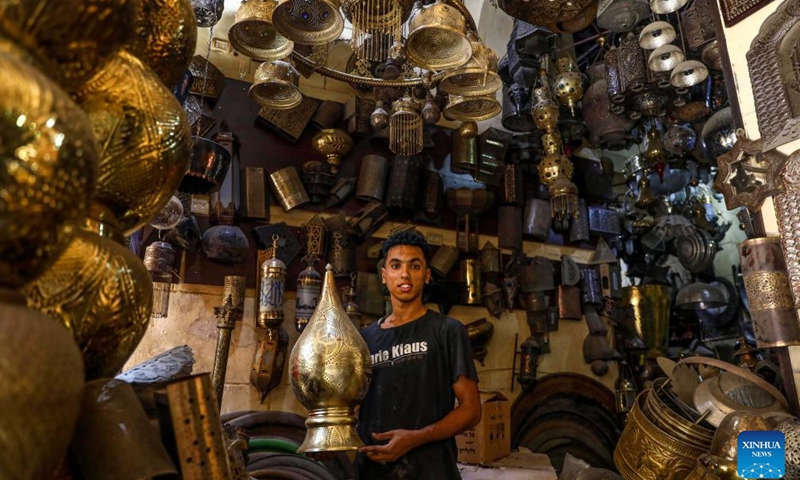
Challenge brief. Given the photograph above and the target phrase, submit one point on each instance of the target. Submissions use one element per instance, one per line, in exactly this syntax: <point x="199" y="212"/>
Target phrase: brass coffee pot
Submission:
<point x="330" y="373"/>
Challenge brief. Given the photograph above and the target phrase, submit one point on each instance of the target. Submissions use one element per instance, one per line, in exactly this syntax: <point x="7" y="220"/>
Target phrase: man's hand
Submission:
<point x="400" y="443"/>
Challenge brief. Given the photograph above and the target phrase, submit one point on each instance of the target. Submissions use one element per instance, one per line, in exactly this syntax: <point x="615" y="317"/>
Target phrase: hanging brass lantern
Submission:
<point x="555" y="171"/>
<point x="405" y="127"/>
<point x="330" y="374"/>
<point x="351" y="308"/>
<point x="545" y="110"/>
<point x="308" y="22"/>
<point x="376" y="25"/>
<point x="158" y="260"/>
<point x="437" y="38"/>
<point x="568" y="83"/>
<point x="253" y="35"/>
<point x="309" y="287"/>
<point x="476" y="77"/>
<point x="273" y="285"/>
<point x="275" y="85"/>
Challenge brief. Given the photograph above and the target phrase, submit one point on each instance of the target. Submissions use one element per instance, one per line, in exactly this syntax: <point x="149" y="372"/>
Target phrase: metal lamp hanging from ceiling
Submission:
<point x="405" y="127"/>
<point x="253" y="33"/>
<point x="377" y="25"/>
<point x="308" y="22"/>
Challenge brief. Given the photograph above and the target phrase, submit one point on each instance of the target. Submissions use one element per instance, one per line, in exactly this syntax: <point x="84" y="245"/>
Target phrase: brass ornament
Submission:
<point x="372" y="178"/>
<point x="48" y="168"/>
<point x="769" y="292"/>
<point x="269" y="362"/>
<point x="334" y="143"/>
<point x="308" y="22"/>
<point x="101" y="292"/>
<point x="656" y="34"/>
<point x="444" y="260"/>
<point x="165" y="37"/>
<point x="40" y="356"/>
<point x="437" y="37"/>
<point x="688" y="74"/>
<point x="464" y="154"/>
<point x="470" y="274"/>
<point x="621" y="16"/>
<point x="141" y="129"/>
<point x="663" y="7"/>
<point x="207" y="83"/>
<point x="253" y="34"/>
<point x="665" y="58"/>
<point x="275" y="85"/>
<point x="309" y="287"/>
<point x="227" y="316"/>
<point x="330" y="374"/>
<point x="376" y="26"/>
<point x="747" y="175"/>
<point x="72" y="40"/>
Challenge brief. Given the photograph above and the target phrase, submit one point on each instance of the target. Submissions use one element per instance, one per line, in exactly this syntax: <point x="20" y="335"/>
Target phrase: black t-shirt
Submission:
<point x="414" y="367"/>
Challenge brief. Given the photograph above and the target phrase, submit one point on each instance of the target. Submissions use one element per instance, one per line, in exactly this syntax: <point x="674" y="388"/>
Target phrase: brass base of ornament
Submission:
<point x="331" y="430"/>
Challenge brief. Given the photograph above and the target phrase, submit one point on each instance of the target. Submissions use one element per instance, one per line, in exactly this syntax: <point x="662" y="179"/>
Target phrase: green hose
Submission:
<point x="271" y="444"/>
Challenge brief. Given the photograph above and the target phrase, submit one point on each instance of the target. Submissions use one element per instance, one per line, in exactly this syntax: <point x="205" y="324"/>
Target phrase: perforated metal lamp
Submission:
<point x="700" y="296"/>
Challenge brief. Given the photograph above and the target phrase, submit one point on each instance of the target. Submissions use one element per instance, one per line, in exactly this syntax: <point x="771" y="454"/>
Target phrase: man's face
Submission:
<point x="405" y="273"/>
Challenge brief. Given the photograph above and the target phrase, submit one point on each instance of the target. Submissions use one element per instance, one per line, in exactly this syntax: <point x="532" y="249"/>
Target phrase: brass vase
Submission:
<point x="330" y="374"/>
<point x="144" y="134"/>
<point x="103" y="293"/>
<point x="48" y="163"/>
<point x="651" y="306"/>
<point x="166" y="36"/>
<point x="334" y="143"/>
<point x="41" y="374"/>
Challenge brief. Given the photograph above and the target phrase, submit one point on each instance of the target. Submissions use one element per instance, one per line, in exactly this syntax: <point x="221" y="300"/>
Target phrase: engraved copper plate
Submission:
<point x="734" y="11"/>
<point x="775" y="75"/>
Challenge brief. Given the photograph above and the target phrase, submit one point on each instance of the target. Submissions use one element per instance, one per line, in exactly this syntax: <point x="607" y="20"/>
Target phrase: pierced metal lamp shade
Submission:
<point x="700" y="296"/>
<point x="437" y="38"/>
<point x="476" y="77"/>
<point x="472" y="108"/>
<point x="308" y="22"/>
<point x="656" y="34"/>
<point x="253" y="34"/>
<point x="662" y="7"/>
<point x="275" y="86"/>
<point x="665" y="58"/>
<point x="688" y="74"/>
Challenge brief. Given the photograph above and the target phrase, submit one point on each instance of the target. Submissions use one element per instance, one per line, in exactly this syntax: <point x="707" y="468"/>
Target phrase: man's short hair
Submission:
<point x="407" y="237"/>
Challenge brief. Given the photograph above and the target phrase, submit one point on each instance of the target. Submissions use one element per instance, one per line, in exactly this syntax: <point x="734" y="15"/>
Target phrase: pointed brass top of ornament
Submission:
<point x="602" y="254"/>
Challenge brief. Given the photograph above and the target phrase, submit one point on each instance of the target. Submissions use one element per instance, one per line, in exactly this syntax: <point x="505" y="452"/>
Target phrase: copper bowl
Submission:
<point x="208" y="167"/>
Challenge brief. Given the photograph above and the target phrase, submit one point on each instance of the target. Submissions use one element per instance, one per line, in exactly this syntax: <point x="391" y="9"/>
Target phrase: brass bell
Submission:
<point x="476" y="77"/>
<point x="253" y="35"/>
<point x="275" y="85"/>
<point x="663" y="7"/>
<point x="472" y="108"/>
<point x="645" y="199"/>
<point x="665" y="58"/>
<point x="655" y="152"/>
<point x="656" y="34"/>
<point x="308" y="22"/>
<point x="688" y="74"/>
<point x="437" y="38"/>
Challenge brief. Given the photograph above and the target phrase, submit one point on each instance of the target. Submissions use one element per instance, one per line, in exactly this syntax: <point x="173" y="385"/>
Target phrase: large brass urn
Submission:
<point x="330" y="373"/>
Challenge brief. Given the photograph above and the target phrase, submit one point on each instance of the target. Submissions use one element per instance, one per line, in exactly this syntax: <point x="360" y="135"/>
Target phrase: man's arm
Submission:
<point x="465" y="416"/>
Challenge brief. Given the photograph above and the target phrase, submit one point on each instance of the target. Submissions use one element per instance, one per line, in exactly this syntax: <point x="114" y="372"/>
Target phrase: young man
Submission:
<point x="421" y="363"/>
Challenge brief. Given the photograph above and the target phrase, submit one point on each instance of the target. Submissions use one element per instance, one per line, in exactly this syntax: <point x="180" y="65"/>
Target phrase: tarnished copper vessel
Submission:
<point x="42" y="378"/>
<point x="71" y="40"/>
<point x="47" y="172"/>
<point x="165" y="38"/>
<point x="651" y="306"/>
<point x="142" y="129"/>
<point x="769" y="292"/>
<point x="330" y="374"/>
